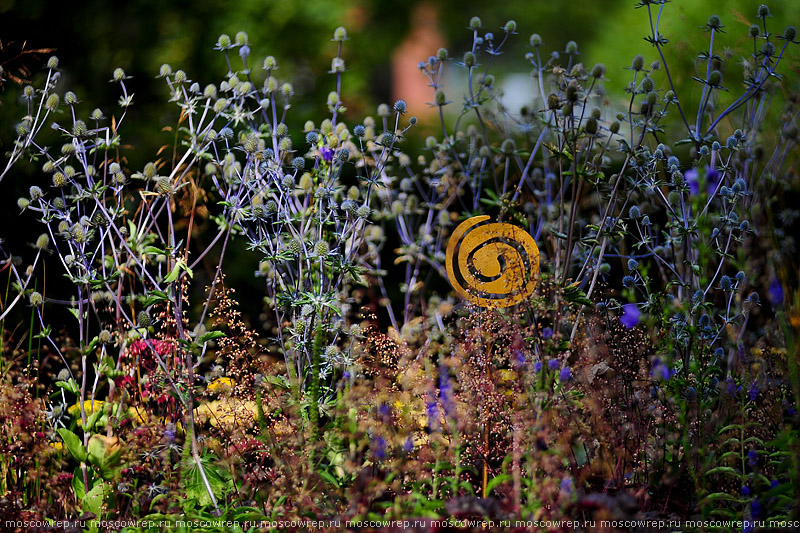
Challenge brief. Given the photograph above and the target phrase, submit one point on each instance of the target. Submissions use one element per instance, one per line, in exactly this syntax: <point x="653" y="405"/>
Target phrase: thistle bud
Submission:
<point x="143" y="319"/>
<point x="43" y="241"/>
<point x="52" y="102"/>
<point x="638" y="63"/>
<point x="572" y="48"/>
<point x="35" y="299"/>
<point x="469" y="59"/>
<point x="163" y="186"/>
<point x="104" y="336"/>
<point x="79" y="129"/>
<point x="340" y="34"/>
<point x="475" y="23"/>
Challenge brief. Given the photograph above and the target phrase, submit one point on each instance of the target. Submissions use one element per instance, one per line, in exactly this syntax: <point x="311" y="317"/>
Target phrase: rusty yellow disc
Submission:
<point x="492" y="265"/>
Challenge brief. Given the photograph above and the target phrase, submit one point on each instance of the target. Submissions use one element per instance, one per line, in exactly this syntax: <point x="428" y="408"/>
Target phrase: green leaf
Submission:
<point x="193" y="482"/>
<point x="91" y="420"/>
<point x="93" y="500"/>
<point x="719" y="496"/>
<point x="327" y="476"/>
<point x="210" y="336"/>
<point x="576" y="296"/>
<point x="497" y="480"/>
<point x="155" y="297"/>
<point x="73" y="444"/>
<point x="77" y="483"/>
<point x="727" y="470"/>
<point x="69" y="386"/>
<point x="173" y="275"/>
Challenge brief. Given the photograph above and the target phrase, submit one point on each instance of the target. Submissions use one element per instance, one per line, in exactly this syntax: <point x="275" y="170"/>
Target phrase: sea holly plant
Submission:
<point x="644" y="363"/>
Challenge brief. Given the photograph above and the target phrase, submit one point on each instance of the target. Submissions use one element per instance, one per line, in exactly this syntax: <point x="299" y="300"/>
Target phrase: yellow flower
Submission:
<point x="220" y="385"/>
<point x="58" y="445"/>
<point x="227" y="412"/>
<point x="89" y="406"/>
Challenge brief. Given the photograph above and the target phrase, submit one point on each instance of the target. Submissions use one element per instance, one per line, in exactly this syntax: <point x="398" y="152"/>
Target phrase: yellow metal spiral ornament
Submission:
<point x="492" y="265"/>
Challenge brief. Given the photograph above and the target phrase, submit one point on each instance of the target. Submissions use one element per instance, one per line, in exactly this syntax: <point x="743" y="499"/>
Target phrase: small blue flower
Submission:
<point x="565" y="374"/>
<point x="446" y="392"/>
<point x="630" y="315"/>
<point x="384" y="409"/>
<point x="752" y="458"/>
<point x="775" y="292"/>
<point x="753" y="392"/>
<point x="379" y="448"/>
<point x="326" y="153"/>
<point x="432" y="408"/>
<point x="537" y="367"/>
<point x="547" y="333"/>
<point x="408" y="445"/>
<point x="731" y="386"/>
<point x="519" y="358"/>
<point x="774" y="484"/>
<point x="745" y="490"/>
<point x="553" y="364"/>
<point x="756" y="509"/>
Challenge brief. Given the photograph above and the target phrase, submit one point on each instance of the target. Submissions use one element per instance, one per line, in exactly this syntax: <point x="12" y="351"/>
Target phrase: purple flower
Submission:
<point x="753" y="392"/>
<point x="774" y="484"/>
<point x="346" y="375"/>
<point x="775" y="292"/>
<point x="379" y="448"/>
<point x="537" y="367"/>
<point x="691" y="178"/>
<point x="408" y="445"/>
<point x="630" y="315"/>
<point x="446" y="392"/>
<point x="553" y="364"/>
<point x="565" y="374"/>
<point x="712" y="179"/>
<point x="752" y="458"/>
<point x="756" y="509"/>
<point x="326" y="153"/>
<point x="384" y="409"/>
<point x="745" y="490"/>
<point x="731" y="386"/>
<point x="432" y="408"/>
<point x="519" y="358"/>
<point x="547" y="333"/>
<point x="566" y="485"/>
<point x="661" y="370"/>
